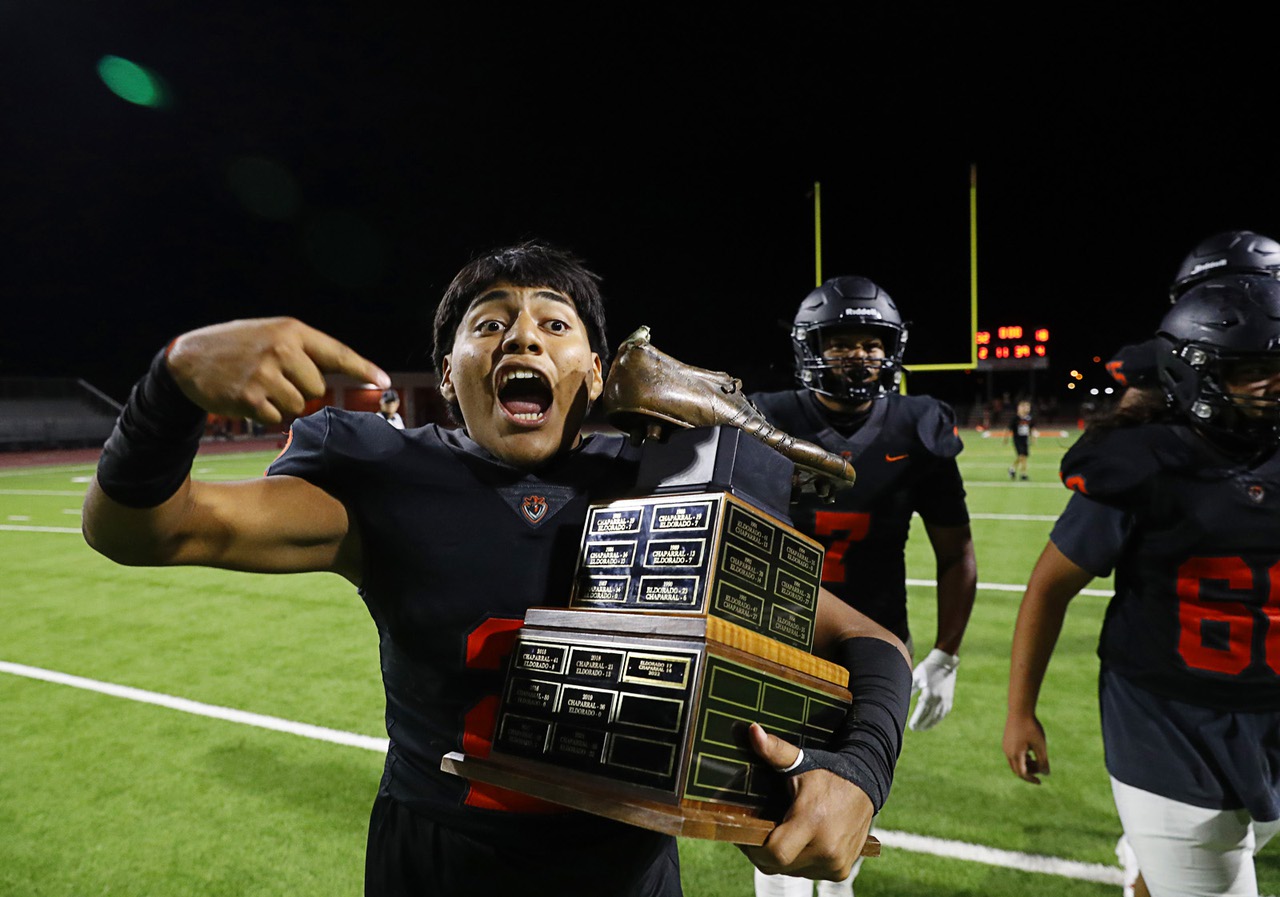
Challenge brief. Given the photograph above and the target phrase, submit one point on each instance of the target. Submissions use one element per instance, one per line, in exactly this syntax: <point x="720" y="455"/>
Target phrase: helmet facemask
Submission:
<point x="853" y="376"/>
<point x="1222" y="360"/>
<point x="1206" y="384"/>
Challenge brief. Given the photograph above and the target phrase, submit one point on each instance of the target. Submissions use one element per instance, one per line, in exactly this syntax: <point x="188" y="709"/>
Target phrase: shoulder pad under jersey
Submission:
<point x="1107" y="464"/>
<point x="935" y="425"/>
<point x="331" y="436"/>
<point x="1135" y="364"/>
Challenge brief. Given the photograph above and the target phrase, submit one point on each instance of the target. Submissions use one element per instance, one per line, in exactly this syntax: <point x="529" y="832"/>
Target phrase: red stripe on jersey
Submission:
<point x="288" y="442"/>
<point x="489" y="643"/>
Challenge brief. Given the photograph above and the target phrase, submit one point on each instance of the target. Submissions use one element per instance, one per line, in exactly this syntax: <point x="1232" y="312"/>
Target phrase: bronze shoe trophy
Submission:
<point x="692" y="616"/>
<point x="648" y="392"/>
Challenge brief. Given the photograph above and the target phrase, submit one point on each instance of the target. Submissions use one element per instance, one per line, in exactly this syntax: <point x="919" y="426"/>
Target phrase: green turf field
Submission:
<point x="101" y="794"/>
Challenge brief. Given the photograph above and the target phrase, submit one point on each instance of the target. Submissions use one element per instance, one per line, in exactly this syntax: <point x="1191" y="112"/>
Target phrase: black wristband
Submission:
<point x="865" y="750"/>
<point x="149" y="453"/>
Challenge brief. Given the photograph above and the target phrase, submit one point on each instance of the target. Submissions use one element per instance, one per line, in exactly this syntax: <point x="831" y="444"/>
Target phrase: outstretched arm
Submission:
<point x="836" y="793"/>
<point x="957" y="573"/>
<point x="1054" y="582"/>
<point x="142" y="507"/>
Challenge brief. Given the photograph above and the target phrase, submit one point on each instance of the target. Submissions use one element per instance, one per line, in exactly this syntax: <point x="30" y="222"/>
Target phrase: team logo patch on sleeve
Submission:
<point x="535" y="503"/>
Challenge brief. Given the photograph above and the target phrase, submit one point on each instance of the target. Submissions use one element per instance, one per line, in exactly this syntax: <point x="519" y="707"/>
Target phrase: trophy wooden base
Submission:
<point x="683" y="821"/>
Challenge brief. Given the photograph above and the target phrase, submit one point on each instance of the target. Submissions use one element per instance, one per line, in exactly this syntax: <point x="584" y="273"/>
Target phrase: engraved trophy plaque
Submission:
<point x="692" y="616"/>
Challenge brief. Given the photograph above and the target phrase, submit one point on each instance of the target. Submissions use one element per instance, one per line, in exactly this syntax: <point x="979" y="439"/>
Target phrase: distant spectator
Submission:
<point x="1020" y="427"/>
<point x="389" y="408"/>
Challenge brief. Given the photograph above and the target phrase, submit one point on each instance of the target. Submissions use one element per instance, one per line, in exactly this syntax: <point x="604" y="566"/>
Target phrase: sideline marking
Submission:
<point x="960" y="850"/>
<point x="230" y="714"/>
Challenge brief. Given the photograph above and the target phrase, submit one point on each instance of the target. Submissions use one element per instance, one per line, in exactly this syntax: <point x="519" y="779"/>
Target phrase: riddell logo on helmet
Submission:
<point x="861" y="313"/>
<point x="1205" y="266"/>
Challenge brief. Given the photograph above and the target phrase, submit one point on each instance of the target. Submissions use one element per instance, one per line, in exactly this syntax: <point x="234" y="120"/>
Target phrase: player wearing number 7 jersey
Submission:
<point x="1179" y="492"/>
<point x="849" y="338"/>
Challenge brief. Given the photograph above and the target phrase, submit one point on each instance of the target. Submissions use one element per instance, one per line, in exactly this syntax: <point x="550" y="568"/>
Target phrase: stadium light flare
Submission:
<point x="132" y="82"/>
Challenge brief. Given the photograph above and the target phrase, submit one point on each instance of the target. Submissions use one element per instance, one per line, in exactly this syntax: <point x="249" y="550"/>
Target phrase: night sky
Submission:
<point x="339" y="162"/>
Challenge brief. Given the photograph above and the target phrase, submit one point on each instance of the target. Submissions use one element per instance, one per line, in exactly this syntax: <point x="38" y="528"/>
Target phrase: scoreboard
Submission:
<point x="1013" y="347"/>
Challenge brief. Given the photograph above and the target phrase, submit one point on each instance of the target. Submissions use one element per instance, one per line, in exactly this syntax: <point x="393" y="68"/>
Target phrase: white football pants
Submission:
<point x="1189" y="851"/>
<point x="791" y="886"/>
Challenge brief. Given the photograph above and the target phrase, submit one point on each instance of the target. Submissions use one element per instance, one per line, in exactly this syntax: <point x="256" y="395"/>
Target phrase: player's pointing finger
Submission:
<point x="334" y="357"/>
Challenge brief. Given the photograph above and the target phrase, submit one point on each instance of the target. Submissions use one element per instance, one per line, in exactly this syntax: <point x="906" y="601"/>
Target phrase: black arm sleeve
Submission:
<point x="149" y="453"/>
<point x="865" y="750"/>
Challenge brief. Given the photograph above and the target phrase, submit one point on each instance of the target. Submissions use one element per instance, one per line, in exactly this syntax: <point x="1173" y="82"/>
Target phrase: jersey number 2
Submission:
<point x="847" y="527"/>
<point x="1236" y="618"/>
<point x="487" y="648"/>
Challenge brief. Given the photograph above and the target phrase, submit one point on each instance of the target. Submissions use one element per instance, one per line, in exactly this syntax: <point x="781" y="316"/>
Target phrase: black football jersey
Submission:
<point x="1196" y="614"/>
<point x="1090" y="534"/>
<point x="904" y="456"/>
<point x="456" y="545"/>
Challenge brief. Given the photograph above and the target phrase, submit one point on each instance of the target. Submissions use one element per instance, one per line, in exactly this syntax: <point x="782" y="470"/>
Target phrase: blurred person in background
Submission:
<point x="1021" y="429"/>
<point x="389" y="408"/>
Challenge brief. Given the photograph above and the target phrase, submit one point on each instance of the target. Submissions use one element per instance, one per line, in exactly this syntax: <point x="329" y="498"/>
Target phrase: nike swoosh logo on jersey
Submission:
<point x="892" y="458"/>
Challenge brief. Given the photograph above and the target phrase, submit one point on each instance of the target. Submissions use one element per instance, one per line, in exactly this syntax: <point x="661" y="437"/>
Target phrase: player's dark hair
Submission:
<point x="529" y="264"/>
<point x="1137" y="405"/>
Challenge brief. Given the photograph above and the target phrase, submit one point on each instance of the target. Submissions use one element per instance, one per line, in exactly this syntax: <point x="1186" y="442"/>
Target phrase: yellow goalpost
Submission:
<point x="972" y="363"/>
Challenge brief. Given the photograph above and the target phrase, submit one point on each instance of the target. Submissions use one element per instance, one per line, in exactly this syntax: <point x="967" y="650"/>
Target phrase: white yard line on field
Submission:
<point x="1035" y="518"/>
<point x="960" y="850"/>
<point x="61" y="493"/>
<point x="38" y="471"/>
<point x="1006" y="587"/>
<point x="1009" y="859"/>
<point x="69" y="530"/>
<point x="306" y="730"/>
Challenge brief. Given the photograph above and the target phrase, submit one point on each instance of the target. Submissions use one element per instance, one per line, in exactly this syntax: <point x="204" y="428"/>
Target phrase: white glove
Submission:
<point x="935" y="679"/>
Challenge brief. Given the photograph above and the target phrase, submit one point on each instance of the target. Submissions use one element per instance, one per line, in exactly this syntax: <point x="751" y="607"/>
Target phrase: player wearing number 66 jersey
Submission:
<point x="1179" y="492"/>
<point x="849" y="339"/>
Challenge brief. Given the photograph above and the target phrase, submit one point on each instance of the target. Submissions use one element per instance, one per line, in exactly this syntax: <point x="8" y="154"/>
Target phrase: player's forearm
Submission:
<point x="837" y="622"/>
<point x="866" y="748"/>
<point x="957" y="587"/>
<point x="1054" y="582"/>
<point x="1034" y="638"/>
<point x="1039" y="624"/>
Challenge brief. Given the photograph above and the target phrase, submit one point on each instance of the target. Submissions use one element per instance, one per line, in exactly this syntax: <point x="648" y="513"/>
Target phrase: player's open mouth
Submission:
<point x="524" y="395"/>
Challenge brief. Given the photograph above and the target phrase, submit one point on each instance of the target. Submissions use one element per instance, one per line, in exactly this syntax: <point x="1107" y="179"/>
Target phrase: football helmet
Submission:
<point x="848" y="303"/>
<point x="1223" y="330"/>
<point x="1230" y="252"/>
